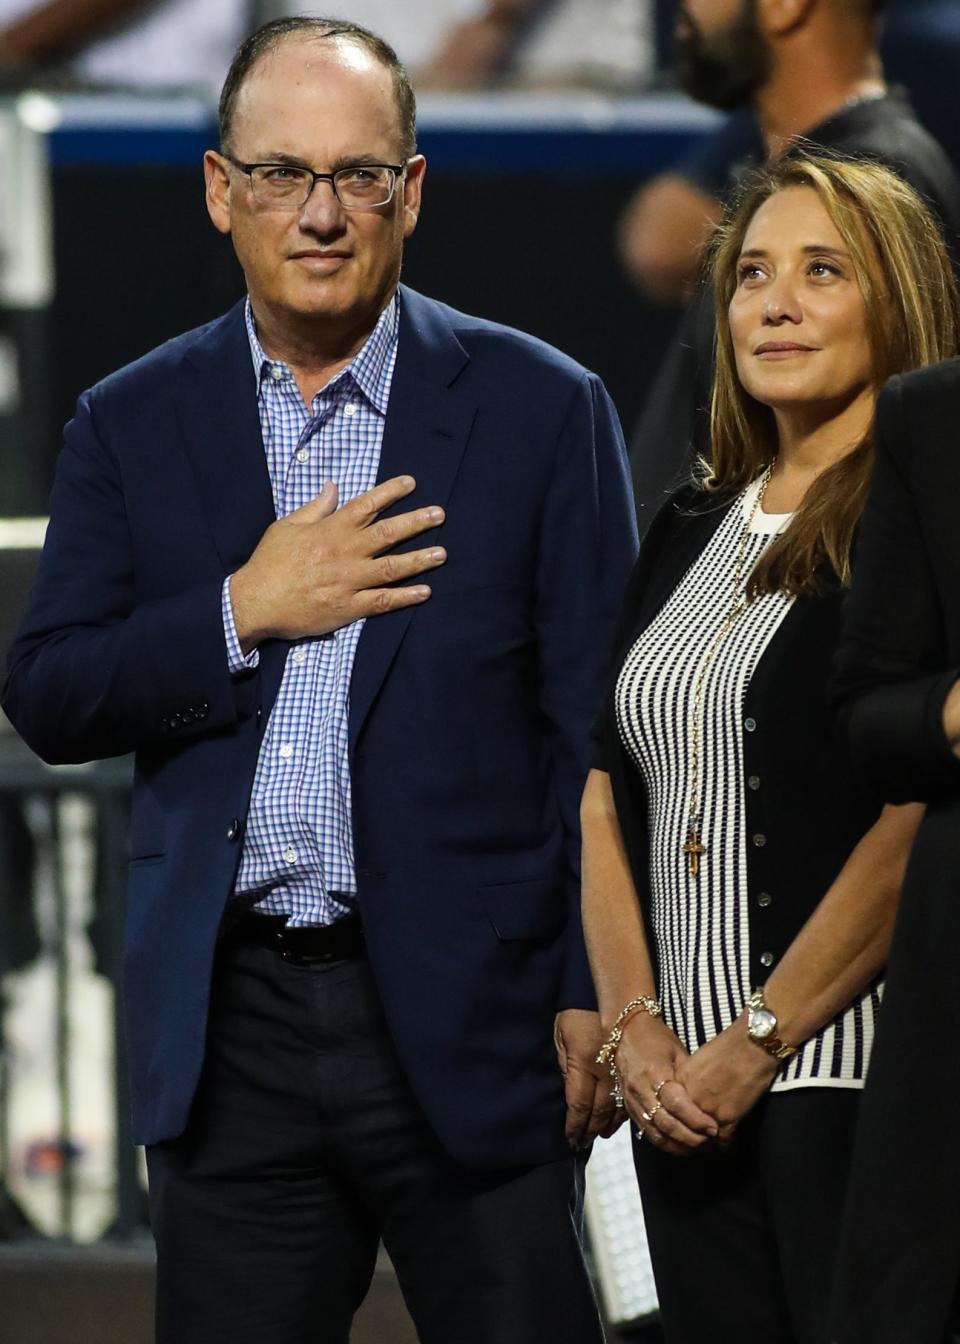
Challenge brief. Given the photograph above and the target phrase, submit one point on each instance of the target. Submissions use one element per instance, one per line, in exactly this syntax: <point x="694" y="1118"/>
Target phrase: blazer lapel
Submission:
<point x="427" y="428"/>
<point x="216" y="403"/>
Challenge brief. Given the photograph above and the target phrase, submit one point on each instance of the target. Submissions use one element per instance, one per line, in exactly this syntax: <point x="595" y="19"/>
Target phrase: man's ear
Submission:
<point x="412" y="190"/>
<point x="777" y="18"/>
<point x="217" y="177"/>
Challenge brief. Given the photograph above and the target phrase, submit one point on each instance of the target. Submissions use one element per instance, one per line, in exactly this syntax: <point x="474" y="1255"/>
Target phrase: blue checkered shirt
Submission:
<point x="298" y="846"/>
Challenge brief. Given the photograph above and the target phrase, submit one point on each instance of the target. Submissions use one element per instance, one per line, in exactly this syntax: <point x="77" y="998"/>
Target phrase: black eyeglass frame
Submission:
<point x="398" y="170"/>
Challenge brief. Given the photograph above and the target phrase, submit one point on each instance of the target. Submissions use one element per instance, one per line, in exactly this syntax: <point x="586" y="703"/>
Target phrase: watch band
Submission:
<point x="770" y="1042"/>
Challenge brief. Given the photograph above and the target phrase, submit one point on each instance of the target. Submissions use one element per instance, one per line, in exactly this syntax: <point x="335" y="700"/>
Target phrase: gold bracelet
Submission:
<point x="643" y="1003"/>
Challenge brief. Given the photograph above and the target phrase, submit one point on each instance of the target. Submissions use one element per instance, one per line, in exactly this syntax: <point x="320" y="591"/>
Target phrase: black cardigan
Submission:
<point x="806" y="807"/>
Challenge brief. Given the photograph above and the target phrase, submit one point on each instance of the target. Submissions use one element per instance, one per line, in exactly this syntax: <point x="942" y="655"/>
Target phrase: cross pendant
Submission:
<point x="693" y="849"/>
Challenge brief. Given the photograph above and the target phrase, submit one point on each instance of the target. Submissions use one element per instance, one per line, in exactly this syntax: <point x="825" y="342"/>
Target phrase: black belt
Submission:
<point x="341" y="941"/>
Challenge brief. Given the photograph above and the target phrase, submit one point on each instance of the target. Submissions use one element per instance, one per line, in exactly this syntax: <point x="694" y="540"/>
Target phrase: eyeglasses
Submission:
<point x="285" y="186"/>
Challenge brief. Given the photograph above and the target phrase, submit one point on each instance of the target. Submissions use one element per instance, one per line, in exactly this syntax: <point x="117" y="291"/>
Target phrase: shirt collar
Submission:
<point x="370" y="369"/>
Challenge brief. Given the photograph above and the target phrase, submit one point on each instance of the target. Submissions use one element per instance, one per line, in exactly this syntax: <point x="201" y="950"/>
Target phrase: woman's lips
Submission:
<point x="782" y="350"/>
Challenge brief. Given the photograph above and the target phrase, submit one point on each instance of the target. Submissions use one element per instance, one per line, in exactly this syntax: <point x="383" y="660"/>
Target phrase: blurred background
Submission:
<point x="549" y="127"/>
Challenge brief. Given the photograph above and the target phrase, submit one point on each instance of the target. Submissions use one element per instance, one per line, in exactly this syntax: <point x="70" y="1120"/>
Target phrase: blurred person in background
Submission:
<point x="809" y="69"/>
<point x="353" y="939"/>
<point x="130" y="44"/>
<point x="665" y="227"/>
<point x="740" y="881"/>
<point x="479" y="44"/>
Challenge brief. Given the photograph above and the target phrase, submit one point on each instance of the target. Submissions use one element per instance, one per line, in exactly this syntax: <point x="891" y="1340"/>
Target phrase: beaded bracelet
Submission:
<point x="643" y="1003"/>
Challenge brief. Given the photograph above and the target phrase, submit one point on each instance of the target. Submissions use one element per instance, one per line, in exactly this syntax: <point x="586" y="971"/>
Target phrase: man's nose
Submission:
<point x="322" y="211"/>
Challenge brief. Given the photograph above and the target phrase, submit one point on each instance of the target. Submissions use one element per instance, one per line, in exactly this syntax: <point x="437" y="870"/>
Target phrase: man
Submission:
<point x="142" y="44"/>
<point x="810" y="70"/>
<point x="353" y="898"/>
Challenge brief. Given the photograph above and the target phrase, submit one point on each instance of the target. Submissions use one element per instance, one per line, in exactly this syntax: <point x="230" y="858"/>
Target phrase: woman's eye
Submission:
<point x="749" y="271"/>
<point x="822" y="268"/>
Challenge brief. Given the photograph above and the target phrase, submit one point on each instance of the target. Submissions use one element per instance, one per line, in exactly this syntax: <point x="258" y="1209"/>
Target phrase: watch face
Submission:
<point x="762" y="1023"/>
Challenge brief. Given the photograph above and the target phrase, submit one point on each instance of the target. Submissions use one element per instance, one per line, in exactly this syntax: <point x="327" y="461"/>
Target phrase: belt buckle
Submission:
<point x="295" y="958"/>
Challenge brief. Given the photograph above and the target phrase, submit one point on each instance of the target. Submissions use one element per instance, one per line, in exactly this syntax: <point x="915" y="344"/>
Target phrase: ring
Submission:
<point x="652" y="1116"/>
<point x="659" y="1088"/>
<point x="647" y="1116"/>
<point x="640" y="1133"/>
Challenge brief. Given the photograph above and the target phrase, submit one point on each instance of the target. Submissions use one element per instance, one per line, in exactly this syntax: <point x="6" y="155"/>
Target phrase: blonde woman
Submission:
<point x="740" y="882"/>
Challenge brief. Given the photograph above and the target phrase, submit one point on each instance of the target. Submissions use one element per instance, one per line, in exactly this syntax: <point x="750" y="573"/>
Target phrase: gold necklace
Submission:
<point x="693" y="847"/>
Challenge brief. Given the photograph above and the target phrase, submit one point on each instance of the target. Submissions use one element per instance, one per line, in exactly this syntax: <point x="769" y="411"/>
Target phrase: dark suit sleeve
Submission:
<point x="586" y="547"/>
<point x="95" y="670"/>
<point x="893" y="673"/>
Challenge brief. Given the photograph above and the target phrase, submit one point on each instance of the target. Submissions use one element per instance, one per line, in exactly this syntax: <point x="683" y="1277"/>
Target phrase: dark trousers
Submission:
<point x="304" y="1148"/>
<point x="744" y="1242"/>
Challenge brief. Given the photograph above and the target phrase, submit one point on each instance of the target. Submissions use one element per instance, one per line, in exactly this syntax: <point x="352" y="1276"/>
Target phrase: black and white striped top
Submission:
<point x="701" y="924"/>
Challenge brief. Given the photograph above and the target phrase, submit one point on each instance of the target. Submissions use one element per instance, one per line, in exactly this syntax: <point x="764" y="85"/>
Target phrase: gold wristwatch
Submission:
<point x="762" y="1028"/>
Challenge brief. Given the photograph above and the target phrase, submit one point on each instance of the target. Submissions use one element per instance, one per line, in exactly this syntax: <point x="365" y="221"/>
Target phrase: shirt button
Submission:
<point x="290" y="854"/>
<point x="759" y="839"/>
<point x="286" y="750"/>
<point x="750" y="725"/>
<point x="350" y="409"/>
<point x="764" y="899"/>
<point x="753" y="782"/>
<point x="300" y="654"/>
<point x="766" y="958"/>
<point x="303" y="455"/>
<point x="276" y="373"/>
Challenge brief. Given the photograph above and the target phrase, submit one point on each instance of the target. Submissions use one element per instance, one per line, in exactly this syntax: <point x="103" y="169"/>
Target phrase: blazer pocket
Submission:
<point x="533" y="908"/>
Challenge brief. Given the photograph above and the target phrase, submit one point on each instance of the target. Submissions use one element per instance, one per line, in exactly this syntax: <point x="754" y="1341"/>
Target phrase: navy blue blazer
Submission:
<point x="469" y="716"/>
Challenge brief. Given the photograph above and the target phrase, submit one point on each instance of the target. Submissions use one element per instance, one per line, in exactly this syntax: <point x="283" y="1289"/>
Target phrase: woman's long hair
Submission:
<point x="912" y="316"/>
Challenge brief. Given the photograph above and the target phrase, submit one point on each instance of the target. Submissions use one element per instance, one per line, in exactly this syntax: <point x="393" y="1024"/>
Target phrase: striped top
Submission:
<point x="702" y="924"/>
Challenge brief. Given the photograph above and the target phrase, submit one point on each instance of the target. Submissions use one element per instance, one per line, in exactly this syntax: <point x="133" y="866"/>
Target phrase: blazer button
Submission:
<point x="259" y="715"/>
<point x="233" y="830"/>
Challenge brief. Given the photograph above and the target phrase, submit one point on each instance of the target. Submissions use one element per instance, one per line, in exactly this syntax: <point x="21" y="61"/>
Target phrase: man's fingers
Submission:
<point x="389" y="532"/>
<point x="579" y="1089"/>
<point x="319" y="507"/>
<point x="365" y="507"/>
<point x="378" y="601"/>
<point x="395" y="568"/>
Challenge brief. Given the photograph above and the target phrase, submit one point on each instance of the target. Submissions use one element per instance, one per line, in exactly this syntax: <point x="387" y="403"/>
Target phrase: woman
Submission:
<point x="899" y="1262"/>
<point x="740" y="881"/>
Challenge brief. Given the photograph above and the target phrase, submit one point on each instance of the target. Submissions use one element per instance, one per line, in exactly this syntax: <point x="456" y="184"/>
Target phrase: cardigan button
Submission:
<point x="766" y="958"/>
<point x="753" y="782"/>
<point x="759" y="840"/>
<point x="764" y="899"/>
<point x="750" y="725"/>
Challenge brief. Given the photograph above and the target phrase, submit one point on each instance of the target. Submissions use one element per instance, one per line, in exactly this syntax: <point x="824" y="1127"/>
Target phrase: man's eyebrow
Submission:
<point x="345" y="161"/>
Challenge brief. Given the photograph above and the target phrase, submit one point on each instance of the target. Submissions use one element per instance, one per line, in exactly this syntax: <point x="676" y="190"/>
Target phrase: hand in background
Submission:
<point x="578" y="1037"/>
